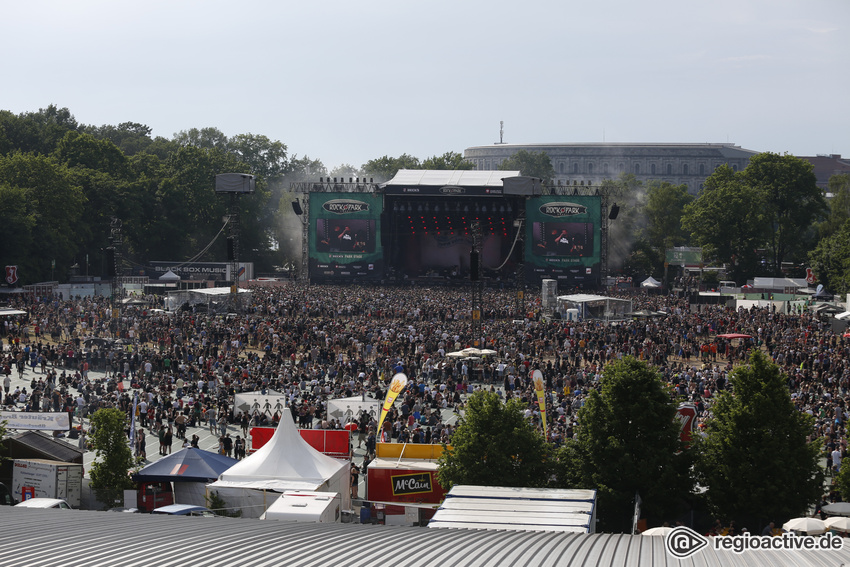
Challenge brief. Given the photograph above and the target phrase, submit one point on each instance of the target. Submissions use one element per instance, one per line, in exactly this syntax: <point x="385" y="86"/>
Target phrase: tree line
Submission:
<point x="62" y="183"/>
<point x="753" y="463"/>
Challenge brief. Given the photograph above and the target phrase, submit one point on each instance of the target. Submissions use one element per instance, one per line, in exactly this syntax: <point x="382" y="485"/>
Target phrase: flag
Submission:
<point x="133" y="420"/>
<point x="539" y="389"/>
<point x="397" y="384"/>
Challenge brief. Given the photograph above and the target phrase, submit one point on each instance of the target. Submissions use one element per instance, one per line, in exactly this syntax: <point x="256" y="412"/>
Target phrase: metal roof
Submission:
<point x="42" y="444"/>
<point x="451" y="177"/>
<point x="83" y="538"/>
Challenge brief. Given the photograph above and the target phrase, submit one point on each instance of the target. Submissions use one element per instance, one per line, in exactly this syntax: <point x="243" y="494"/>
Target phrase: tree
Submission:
<point x="755" y="460"/>
<point x="494" y="445"/>
<point x="449" y="160"/>
<point x="839" y="205"/>
<point x="264" y="157"/>
<point x="627" y="443"/>
<point x="830" y="260"/>
<point x="728" y="221"/>
<point x="791" y="200"/>
<point x="530" y="164"/>
<point x="113" y="457"/>
<point x="385" y="168"/>
<point x="664" y="209"/>
<point x="345" y="170"/>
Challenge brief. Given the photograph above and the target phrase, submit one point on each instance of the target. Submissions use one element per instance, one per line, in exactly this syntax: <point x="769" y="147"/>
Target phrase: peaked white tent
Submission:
<point x="650" y="282"/>
<point x="286" y="462"/>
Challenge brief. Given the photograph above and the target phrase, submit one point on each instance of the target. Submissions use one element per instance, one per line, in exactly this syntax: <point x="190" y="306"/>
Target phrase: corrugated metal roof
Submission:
<point x="81" y="538"/>
<point x="457" y="178"/>
<point x="49" y="447"/>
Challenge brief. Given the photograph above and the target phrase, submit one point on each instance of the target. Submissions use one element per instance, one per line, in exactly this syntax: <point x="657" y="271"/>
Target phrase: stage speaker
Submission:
<point x="296" y="207"/>
<point x="110" y="262"/>
<point x="473" y="266"/>
<point x="615" y="210"/>
<point x="231" y="252"/>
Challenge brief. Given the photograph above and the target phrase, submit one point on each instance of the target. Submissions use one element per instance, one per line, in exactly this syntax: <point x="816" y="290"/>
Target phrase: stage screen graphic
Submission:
<point x="345" y="240"/>
<point x="563" y="239"/>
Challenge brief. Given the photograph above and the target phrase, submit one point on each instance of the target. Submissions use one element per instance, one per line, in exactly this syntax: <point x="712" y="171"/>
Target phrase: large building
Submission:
<point x="590" y="164"/>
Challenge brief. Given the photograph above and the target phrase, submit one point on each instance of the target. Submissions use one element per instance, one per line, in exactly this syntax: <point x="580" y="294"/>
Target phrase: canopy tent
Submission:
<point x="823" y="295"/>
<point x="650" y="282"/>
<point x="286" y="462"/>
<point x="214" y="298"/>
<point x="595" y="306"/>
<point x="189" y="469"/>
<point x="169" y="276"/>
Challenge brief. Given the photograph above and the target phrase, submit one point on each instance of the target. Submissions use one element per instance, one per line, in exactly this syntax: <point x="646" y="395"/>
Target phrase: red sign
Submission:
<point x="11" y="275"/>
<point x="403" y="485"/>
<point x="27" y="492"/>
<point x="686" y="415"/>
<point x="331" y="442"/>
<point x="810" y="276"/>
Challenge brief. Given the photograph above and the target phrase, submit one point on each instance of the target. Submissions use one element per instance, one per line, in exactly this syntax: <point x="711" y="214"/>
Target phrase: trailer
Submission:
<point x="43" y="478"/>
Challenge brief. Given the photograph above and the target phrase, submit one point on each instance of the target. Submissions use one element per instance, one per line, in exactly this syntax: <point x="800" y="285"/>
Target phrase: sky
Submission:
<point x="345" y="82"/>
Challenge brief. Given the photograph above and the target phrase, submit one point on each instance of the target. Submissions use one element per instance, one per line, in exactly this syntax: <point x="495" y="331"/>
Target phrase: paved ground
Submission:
<point x="208" y="441"/>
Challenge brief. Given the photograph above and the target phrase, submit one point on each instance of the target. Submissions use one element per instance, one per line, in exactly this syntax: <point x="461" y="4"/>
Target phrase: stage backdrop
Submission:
<point x="345" y="238"/>
<point x="563" y="239"/>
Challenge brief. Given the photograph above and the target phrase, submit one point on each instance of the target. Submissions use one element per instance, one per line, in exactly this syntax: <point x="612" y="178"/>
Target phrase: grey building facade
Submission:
<point x="591" y="163"/>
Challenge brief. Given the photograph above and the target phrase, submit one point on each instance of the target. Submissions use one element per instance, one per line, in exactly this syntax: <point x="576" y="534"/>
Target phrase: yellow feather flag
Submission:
<point x="539" y="386"/>
<point x="397" y="384"/>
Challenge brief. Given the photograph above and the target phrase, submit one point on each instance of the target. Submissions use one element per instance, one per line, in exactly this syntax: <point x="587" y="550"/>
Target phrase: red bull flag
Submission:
<point x="397" y="384"/>
<point x="539" y="388"/>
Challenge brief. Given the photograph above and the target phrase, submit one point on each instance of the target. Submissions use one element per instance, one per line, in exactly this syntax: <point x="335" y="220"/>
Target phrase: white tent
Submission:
<point x="650" y="282"/>
<point x="286" y="462"/>
<point x="169" y="276"/>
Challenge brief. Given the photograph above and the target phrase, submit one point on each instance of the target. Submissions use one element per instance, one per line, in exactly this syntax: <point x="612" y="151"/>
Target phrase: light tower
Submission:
<point x="234" y="184"/>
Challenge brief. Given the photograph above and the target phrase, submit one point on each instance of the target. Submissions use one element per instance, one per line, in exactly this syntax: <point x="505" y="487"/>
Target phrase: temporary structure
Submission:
<point x="650" y="282"/>
<point x="190" y="470"/>
<point x="286" y="462"/>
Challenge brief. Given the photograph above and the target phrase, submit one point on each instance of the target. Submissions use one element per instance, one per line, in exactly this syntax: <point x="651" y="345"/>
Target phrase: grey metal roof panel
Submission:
<point x="81" y="538"/>
<point x="57" y="450"/>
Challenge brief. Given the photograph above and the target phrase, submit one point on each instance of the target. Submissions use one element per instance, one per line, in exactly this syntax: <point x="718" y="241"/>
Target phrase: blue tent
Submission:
<point x="186" y="465"/>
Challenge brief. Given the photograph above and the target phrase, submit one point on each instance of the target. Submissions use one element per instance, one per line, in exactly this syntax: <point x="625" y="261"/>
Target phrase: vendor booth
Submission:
<point x="286" y="462"/>
<point x="189" y="470"/>
<point x="598" y="307"/>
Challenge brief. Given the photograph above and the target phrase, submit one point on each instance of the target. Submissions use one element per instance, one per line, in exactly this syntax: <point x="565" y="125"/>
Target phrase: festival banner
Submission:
<point x="397" y="384"/>
<point x="47" y="421"/>
<point x="686" y="415"/>
<point x="539" y="388"/>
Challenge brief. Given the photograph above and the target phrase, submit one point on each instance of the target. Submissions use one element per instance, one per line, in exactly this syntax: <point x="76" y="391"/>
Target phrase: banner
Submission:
<point x="686" y="415"/>
<point x="539" y="388"/>
<point x="563" y="238"/>
<point x="397" y="384"/>
<point x="50" y="421"/>
<point x="349" y="409"/>
<point x="345" y="236"/>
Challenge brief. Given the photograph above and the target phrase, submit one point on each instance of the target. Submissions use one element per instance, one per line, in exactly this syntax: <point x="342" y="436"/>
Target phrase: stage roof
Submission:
<point x="456" y="178"/>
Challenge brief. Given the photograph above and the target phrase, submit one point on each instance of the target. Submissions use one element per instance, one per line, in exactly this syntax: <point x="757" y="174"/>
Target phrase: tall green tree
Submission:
<point x="830" y="260"/>
<point x="494" y="445"/>
<point x="449" y="160"/>
<point x="530" y="164"/>
<point x="628" y="443"/>
<point x="839" y="205"/>
<point x="52" y="210"/>
<point x="113" y="457"/>
<point x="755" y="460"/>
<point x="729" y="221"/>
<point x="385" y="168"/>
<point x="665" y="206"/>
<point x="791" y="200"/>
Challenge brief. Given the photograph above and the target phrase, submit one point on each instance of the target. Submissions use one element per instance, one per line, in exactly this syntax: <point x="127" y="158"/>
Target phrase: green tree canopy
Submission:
<point x="830" y="260"/>
<point x="792" y="202"/>
<point x="839" y="205"/>
<point x="530" y="164"/>
<point x="385" y="168"/>
<point x="494" y="445"/>
<point x="628" y="443"/>
<point x="449" y="160"/>
<point x="113" y="457"/>
<point x="755" y="460"/>
<point x="728" y="220"/>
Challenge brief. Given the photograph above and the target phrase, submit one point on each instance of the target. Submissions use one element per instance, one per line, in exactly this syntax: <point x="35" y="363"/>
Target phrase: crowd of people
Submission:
<point x="316" y="343"/>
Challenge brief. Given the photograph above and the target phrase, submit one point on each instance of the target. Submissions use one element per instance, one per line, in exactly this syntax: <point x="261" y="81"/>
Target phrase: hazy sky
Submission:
<point x="346" y="81"/>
